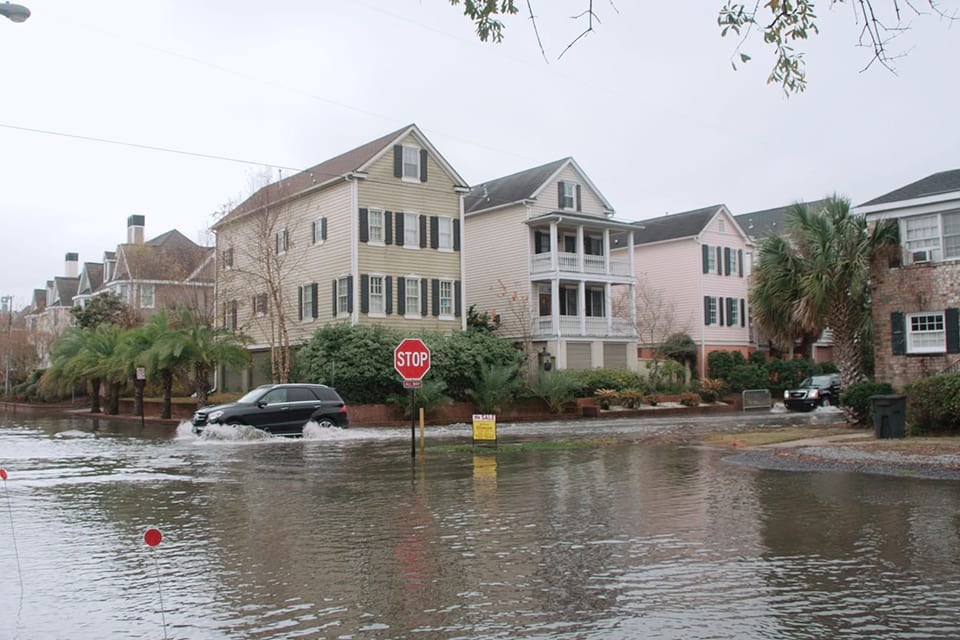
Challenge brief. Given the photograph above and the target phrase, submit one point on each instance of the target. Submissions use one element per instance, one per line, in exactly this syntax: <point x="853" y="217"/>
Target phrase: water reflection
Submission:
<point x="342" y="535"/>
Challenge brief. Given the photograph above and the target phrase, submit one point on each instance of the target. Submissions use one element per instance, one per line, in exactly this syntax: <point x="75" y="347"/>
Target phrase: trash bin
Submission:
<point x="888" y="415"/>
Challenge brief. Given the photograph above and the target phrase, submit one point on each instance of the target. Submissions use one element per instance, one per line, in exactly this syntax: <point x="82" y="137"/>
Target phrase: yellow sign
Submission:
<point x="484" y="426"/>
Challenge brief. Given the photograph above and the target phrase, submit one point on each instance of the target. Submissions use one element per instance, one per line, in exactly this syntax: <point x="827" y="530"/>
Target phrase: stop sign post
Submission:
<point x="411" y="359"/>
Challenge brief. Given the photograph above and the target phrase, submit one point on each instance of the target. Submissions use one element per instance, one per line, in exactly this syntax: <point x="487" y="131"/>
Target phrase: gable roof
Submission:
<point x="64" y="289"/>
<point x="685" y="224"/>
<point x="169" y="256"/>
<point x="333" y="170"/>
<point x="932" y="185"/>
<point x="91" y="277"/>
<point x="771" y="221"/>
<point x="521" y="186"/>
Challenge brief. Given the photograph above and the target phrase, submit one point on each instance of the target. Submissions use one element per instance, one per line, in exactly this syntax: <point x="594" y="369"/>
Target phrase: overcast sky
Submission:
<point x="647" y="104"/>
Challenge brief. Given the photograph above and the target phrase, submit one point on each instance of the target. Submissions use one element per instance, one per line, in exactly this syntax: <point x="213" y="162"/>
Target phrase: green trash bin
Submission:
<point x="889" y="416"/>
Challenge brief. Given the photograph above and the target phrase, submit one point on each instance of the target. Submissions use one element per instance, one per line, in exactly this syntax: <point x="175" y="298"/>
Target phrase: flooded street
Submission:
<point x="342" y="535"/>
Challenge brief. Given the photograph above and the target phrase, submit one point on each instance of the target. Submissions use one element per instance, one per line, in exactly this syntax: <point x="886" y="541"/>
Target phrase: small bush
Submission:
<point x="631" y="398"/>
<point x="606" y="397"/>
<point x="653" y="399"/>
<point x="856" y="398"/>
<point x="721" y="363"/>
<point x="933" y="405"/>
<point x="747" y="376"/>
<point x="556" y="388"/>
<point x="690" y="399"/>
<point x="711" y="389"/>
<point x="786" y="374"/>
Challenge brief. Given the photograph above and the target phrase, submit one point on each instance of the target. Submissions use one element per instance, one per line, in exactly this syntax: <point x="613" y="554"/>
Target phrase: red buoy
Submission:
<point x="3" y="474"/>
<point x="153" y="537"/>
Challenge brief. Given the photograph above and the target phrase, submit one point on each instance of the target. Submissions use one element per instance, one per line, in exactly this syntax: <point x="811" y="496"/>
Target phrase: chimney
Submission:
<point x="135" y="226"/>
<point x="72" y="264"/>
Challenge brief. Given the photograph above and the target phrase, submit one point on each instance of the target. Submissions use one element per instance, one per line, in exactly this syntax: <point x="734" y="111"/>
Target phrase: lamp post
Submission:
<point x="16" y="12"/>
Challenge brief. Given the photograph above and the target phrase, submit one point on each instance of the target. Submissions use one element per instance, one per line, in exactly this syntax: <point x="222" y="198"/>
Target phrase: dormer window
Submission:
<point x="411" y="163"/>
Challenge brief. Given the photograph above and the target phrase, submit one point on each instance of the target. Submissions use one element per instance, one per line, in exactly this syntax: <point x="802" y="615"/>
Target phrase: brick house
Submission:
<point x="916" y="293"/>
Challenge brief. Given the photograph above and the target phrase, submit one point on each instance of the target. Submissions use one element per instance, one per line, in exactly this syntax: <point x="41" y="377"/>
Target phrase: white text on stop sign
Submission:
<point x="412" y="359"/>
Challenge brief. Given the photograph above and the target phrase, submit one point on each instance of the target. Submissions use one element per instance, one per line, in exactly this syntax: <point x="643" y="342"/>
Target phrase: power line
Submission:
<point x="149" y="147"/>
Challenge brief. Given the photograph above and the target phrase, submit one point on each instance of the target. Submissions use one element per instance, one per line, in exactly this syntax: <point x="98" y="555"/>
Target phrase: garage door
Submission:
<point x="578" y="356"/>
<point x="614" y="356"/>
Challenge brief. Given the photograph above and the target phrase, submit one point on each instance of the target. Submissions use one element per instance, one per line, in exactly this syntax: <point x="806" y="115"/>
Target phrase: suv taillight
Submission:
<point x="343" y="409"/>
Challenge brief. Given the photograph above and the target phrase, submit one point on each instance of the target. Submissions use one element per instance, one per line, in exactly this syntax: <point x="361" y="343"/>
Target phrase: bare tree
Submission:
<point x="261" y="241"/>
<point x="518" y="321"/>
<point x="656" y="318"/>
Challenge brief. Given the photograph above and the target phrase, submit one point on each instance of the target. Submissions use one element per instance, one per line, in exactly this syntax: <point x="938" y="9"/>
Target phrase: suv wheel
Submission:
<point x="825" y="402"/>
<point x="325" y="423"/>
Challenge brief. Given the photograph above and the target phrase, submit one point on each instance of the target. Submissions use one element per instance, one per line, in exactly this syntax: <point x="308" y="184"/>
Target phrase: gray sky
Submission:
<point x="647" y="104"/>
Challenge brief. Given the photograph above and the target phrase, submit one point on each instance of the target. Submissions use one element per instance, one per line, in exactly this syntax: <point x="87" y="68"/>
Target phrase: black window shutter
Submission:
<point x="350" y="294"/>
<point x="719" y="260"/>
<point x="726" y="261"/>
<point x="434" y="233"/>
<point x="364" y="229"/>
<point x="435" y="290"/>
<point x="720" y="311"/>
<point x="314" y="305"/>
<point x="397" y="161"/>
<point x="951" y="318"/>
<point x="423" y="296"/>
<point x="323" y="228"/>
<point x="333" y="309"/>
<point x="423" y="231"/>
<point x="898" y="336"/>
<point x="388" y="227"/>
<point x="364" y="293"/>
<point x="578" y="198"/>
<point x="740" y="262"/>
<point x="743" y="312"/>
<point x="423" y="165"/>
<point x="456" y="234"/>
<point x="457" y="299"/>
<point x="706" y="258"/>
<point x="314" y="236"/>
<point x="560" y="194"/>
<point x="706" y="309"/>
<point x="399" y="225"/>
<point x="388" y="295"/>
<point x="731" y="310"/>
<point x="300" y="303"/>
<point x="401" y="295"/>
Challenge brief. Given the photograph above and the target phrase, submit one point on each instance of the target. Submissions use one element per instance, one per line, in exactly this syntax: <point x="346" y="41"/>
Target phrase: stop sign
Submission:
<point x="411" y="359"/>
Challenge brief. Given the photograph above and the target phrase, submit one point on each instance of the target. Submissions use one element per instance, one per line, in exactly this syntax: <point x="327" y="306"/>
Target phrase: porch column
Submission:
<point x="581" y="267"/>
<point x="608" y="305"/>
<point x="554" y="264"/>
<point x="582" y="306"/>
<point x="630" y="256"/>
<point x="555" y="306"/>
<point x="606" y="252"/>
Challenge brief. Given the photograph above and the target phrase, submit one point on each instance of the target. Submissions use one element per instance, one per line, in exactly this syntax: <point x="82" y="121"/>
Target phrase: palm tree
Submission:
<point x="156" y="356"/>
<point x="819" y="277"/>
<point x="72" y="362"/>
<point x="201" y="347"/>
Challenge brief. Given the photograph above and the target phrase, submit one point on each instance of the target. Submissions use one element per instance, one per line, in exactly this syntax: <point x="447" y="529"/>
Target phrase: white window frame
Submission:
<point x="281" y="241"/>
<point x="444" y="233"/>
<point x="230" y="321"/>
<point x="228" y="258"/>
<point x="343" y="296"/>
<point x="713" y="265"/>
<point x="375" y="226"/>
<point x="953" y="216"/>
<point x="145" y="296"/>
<point x="570" y="197"/>
<point x="447" y="302"/>
<point x="260" y="310"/>
<point x="733" y="313"/>
<point x="376" y="296"/>
<point x="411" y="284"/>
<point x="306" y="308"/>
<point x="721" y="225"/>
<point x="411" y="232"/>
<point x="926" y="332"/>
<point x="713" y="303"/>
<point x="410" y="171"/>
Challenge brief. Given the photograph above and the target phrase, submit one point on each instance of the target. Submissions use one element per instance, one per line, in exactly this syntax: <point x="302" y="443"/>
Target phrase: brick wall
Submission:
<point x="914" y="288"/>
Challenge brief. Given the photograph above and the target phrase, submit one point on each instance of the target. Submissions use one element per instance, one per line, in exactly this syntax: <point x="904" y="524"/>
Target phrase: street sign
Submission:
<point x="411" y="359"/>
<point x="412" y="384"/>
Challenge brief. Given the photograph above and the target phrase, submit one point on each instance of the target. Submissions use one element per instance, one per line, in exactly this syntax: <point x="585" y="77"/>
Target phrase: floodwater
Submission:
<point x="342" y="535"/>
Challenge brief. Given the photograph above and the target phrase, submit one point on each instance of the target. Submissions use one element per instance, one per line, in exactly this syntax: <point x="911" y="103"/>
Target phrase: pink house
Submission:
<point x="692" y="273"/>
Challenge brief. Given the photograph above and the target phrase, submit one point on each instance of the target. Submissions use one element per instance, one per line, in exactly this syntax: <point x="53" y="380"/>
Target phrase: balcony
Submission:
<point x="591" y="326"/>
<point x="569" y="263"/>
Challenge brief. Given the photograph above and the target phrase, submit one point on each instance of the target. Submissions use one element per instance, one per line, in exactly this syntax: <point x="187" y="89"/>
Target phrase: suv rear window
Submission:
<point x="328" y="394"/>
<point x="300" y="394"/>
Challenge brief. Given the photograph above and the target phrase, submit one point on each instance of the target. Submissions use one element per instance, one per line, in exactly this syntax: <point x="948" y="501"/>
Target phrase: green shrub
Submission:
<point x="690" y="399"/>
<point x="786" y="374"/>
<point x="671" y="375"/>
<point x="711" y="389"/>
<point x="720" y="364"/>
<point x="747" y="376"/>
<point x="429" y="397"/>
<point x="856" y="399"/>
<point x="458" y="358"/>
<point x="557" y="388"/>
<point x="826" y="367"/>
<point x="494" y="387"/>
<point x="933" y="405"/>
<point x="616" y="379"/>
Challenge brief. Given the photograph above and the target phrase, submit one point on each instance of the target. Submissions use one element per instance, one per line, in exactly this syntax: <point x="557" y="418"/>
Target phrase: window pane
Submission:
<point x="411" y="162"/>
<point x="446" y="298"/>
<point x="412" y="296"/>
<point x="445" y="232"/>
<point x="375" y="225"/>
<point x="376" y="294"/>
<point x="951" y="235"/>
<point x="411" y="230"/>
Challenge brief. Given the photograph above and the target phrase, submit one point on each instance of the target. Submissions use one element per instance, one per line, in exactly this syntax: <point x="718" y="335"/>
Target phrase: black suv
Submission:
<point x="817" y="391"/>
<point x="281" y="409"/>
